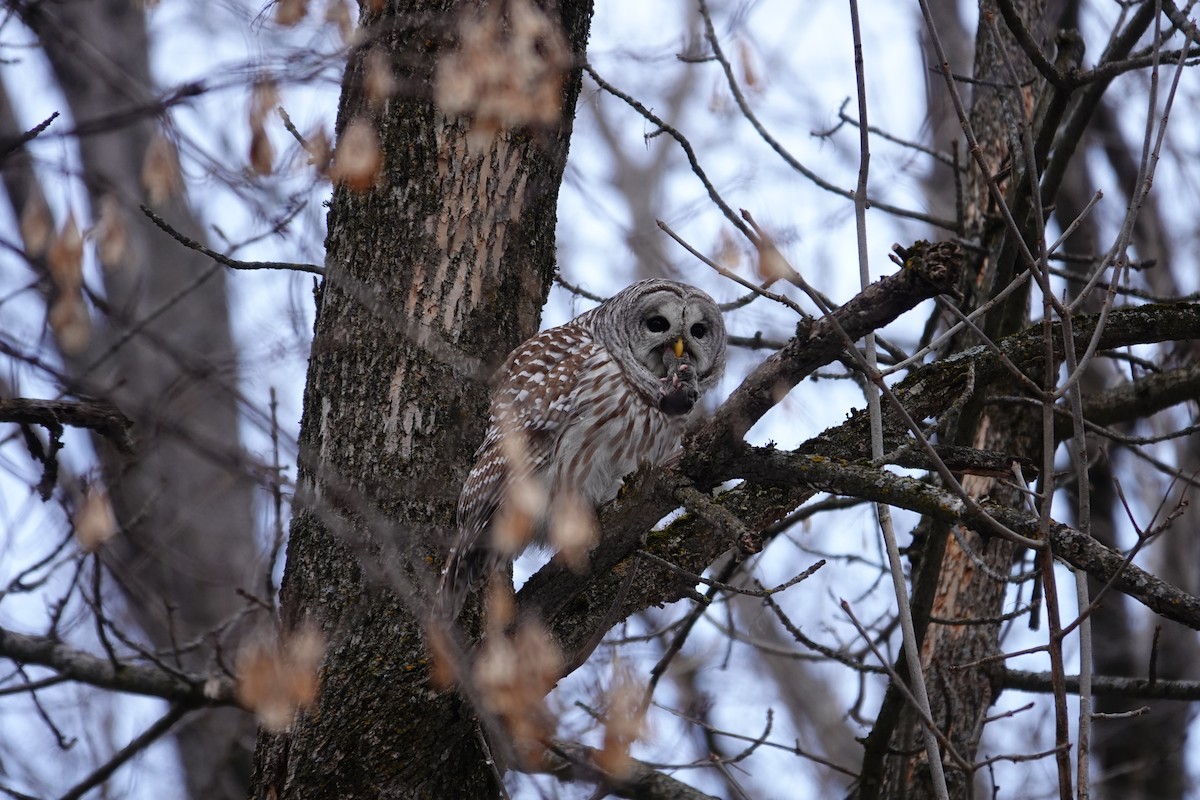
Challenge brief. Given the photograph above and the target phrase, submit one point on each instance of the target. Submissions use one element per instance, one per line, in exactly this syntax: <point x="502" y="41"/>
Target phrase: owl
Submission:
<point x="574" y="410"/>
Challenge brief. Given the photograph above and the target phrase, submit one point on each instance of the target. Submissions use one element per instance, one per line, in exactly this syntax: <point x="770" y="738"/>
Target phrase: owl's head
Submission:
<point x="645" y="324"/>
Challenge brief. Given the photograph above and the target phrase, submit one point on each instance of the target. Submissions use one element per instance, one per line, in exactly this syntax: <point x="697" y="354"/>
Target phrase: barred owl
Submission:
<point x="576" y="409"/>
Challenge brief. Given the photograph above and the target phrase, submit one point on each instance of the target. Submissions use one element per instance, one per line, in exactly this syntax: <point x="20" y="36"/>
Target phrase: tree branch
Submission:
<point x="575" y="604"/>
<point x="1108" y="685"/>
<point x="220" y="258"/>
<point x="767" y="466"/>
<point x="929" y="270"/>
<point x="102" y="417"/>
<point x="197" y="691"/>
<point x="135" y="746"/>
<point x="642" y="782"/>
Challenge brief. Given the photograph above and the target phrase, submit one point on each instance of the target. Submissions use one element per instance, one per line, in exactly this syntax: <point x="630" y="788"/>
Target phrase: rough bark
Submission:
<point x="949" y="584"/>
<point x="434" y="274"/>
<point x="185" y="499"/>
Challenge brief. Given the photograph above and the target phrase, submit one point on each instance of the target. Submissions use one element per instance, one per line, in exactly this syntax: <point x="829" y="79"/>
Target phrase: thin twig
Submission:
<point x="225" y="260"/>
<point x="28" y="136"/>
<point x="912" y="647"/>
<point x="733" y="276"/>
<point x="781" y="151"/>
<point x="926" y="720"/>
<point x="135" y="746"/>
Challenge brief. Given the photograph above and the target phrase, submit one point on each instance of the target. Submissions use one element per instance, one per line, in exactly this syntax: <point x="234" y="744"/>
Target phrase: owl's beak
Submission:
<point x="679" y="347"/>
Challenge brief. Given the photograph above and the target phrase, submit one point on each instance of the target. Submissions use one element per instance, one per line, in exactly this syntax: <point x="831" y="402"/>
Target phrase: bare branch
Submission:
<point x="197" y="692"/>
<point x="98" y="415"/>
<point x="232" y="263"/>
<point x="135" y="746"/>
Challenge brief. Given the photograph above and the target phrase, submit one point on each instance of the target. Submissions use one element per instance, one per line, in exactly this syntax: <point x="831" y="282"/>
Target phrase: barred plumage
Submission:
<point x="576" y="409"/>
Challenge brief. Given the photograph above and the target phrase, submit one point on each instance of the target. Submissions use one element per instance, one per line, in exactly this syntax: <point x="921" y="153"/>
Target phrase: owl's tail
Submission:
<point x="467" y="570"/>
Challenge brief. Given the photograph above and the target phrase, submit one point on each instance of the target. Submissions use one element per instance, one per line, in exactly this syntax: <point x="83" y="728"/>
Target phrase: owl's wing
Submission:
<point x="533" y="403"/>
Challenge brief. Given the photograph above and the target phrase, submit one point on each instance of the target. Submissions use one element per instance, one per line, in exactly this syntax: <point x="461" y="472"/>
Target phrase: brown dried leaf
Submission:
<point x="320" y="151"/>
<point x="379" y="82"/>
<point x="513" y="676"/>
<point x="573" y="530"/>
<point x="443" y="672"/>
<point x="746" y="58"/>
<point x="112" y="236"/>
<point x="771" y="265"/>
<point x="525" y="500"/>
<point x="337" y="12"/>
<point x="624" y="725"/>
<point x="261" y="153"/>
<point x="357" y="158"/>
<point x="276" y="679"/>
<point x="65" y="257"/>
<point x="729" y="253"/>
<point x="95" y="522"/>
<point x="37" y="224"/>
<point x="513" y="525"/>
<point x="501" y="607"/>
<point x="290" y="12"/>
<point x="161" y="175"/>
<point x="507" y="71"/>
<point x="71" y="323"/>
<point x="264" y="99"/>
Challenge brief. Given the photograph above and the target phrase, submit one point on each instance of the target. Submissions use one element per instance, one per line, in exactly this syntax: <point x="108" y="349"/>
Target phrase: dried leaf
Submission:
<point x="746" y="58"/>
<point x="507" y="71"/>
<point x="290" y="12"/>
<point x="378" y="82"/>
<point x="320" y="151"/>
<point x="525" y="500"/>
<point x="65" y="257"/>
<point x="357" y="158"/>
<point x="443" y="672"/>
<point x="68" y="315"/>
<point x="729" y="253"/>
<point x="275" y="679"/>
<point x="623" y="725"/>
<point x="112" y="235"/>
<point x="771" y="265"/>
<point x="573" y="530"/>
<point x="513" y="525"/>
<point x="71" y="323"/>
<point x="263" y="100"/>
<point x="337" y="12"/>
<point x="95" y="522"/>
<point x="37" y="224"/>
<point x="514" y="675"/>
<point x="161" y="175"/>
<point x="501" y="607"/>
<point x="261" y="153"/>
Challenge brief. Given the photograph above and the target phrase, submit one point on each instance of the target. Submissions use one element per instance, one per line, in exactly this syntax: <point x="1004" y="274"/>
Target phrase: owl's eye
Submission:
<point x="658" y="324"/>
<point x="699" y="330"/>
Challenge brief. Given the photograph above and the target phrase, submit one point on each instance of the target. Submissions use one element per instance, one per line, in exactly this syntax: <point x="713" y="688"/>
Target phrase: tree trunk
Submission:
<point x="951" y="582"/>
<point x="434" y="274"/>
<point x="185" y="500"/>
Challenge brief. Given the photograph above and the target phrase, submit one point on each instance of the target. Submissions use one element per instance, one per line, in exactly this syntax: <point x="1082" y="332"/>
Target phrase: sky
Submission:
<point x="796" y="60"/>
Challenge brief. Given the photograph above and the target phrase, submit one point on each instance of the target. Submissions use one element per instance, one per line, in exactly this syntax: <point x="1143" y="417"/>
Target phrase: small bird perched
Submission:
<point x="575" y="409"/>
